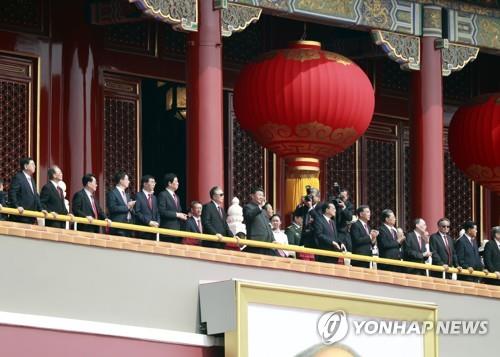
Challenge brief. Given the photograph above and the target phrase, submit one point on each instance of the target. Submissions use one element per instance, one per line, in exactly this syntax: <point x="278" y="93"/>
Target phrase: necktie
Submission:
<point x="175" y="200"/>
<point x="150" y="201"/>
<point x="94" y="208"/>
<point x="447" y="246"/>
<point x="394" y="235"/>
<point x="366" y="228"/>
<point x="198" y="221"/>
<point x="31" y="185"/>
<point x="419" y="242"/>
<point x="220" y="212"/>
<point x="61" y="193"/>
<point x="332" y="226"/>
<point x="124" y="197"/>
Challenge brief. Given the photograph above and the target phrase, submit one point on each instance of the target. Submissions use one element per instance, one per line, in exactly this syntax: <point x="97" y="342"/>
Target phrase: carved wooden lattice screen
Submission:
<point x="17" y="137"/>
<point x="341" y="168"/>
<point x="246" y="158"/>
<point x="121" y="128"/>
<point x="380" y="170"/>
<point x="458" y="193"/>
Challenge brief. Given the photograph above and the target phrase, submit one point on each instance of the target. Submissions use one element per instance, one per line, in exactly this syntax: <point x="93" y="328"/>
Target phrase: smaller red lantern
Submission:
<point x="474" y="140"/>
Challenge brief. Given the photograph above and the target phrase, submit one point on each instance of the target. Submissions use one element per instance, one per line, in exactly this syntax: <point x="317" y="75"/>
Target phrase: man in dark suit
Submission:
<point x="325" y="232"/>
<point x="468" y="252"/>
<point x="194" y="223"/>
<point x="169" y="206"/>
<point x="119" y="204"/>
<point x="492" y="256"/>
<point x="389" y="241"/>
<point x="146" y="207"/>
<point x="22" y="192"/>
<point x="443" y="249"/>
<point x="257" y="223"/>
<point x="214" y="218"/>
<point x="3" y="200"/>
<point x="52" y="197"/>
<point x="414" y="246"/>
<point x="363" y="238"/>
<point x="343" y="216"/>
<point x="85" y="205"/>
<point x="309" y="210"/>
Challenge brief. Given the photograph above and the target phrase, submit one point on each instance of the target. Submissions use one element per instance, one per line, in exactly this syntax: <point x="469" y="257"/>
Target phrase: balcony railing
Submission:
<point x="248" y="242"/>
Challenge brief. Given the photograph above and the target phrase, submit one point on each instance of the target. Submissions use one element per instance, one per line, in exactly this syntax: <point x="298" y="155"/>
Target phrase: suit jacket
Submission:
<point x="82" y="207"/>
<point x="143" y="214"/>
<point x="361" y="240"/>
<point x="117" y="209"/>
<point x="293" y="233"/>
<point x="468" y="254"/>
<point x="51" y="199"/>
<point x="168" y="211"/>
<point x="3" y="202"/>
<point x="191" y="226"/>
<point x="388" y="247"/>
<point x="412" y="252"/>
<point x="212" y="222"/>
<point x="492" y="256"/>
<point x="325" y="233"/>
<point x="307" y="238"/>
<point x="257" y="223"/>
<point x="440" y="254"/>
<point x="21" y="194"/>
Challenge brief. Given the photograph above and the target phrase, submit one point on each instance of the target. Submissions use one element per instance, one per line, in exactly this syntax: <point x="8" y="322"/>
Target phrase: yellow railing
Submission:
<point x="248" y="242"/>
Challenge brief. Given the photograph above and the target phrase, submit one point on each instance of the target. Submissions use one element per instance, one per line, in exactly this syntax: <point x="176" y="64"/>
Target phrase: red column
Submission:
<point x="427" y="161"/>
<point x="205" y="139"/>
<point x="81" y="130"/>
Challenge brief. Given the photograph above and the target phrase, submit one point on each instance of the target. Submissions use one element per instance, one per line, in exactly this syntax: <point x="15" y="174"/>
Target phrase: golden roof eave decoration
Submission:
<point x="183" y="14"/>
<point x="455" y="57"/>
<point x="403" y="49"/>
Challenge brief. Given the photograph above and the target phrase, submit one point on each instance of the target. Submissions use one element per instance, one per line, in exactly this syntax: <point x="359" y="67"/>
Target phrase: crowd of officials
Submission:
<point x="332" y="224"/>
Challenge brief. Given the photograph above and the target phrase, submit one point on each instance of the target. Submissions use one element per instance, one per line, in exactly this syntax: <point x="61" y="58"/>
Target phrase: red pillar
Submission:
<point x="427" y="161"/>
<point x="81" y="130"/>
<point x="205" y="134"/>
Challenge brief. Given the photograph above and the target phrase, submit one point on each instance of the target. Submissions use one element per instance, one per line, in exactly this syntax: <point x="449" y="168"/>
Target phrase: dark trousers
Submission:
<point x="393" y="268"/>
<point x="358" y="263"/>
<point x="491" y="281"/>
<point x="264" y="251"/>
<point x="88" y="228"/>
<point x="146" y="235"/>
<point x="207" y="243"/>
<point x="323" y="259"/>
<point x="472" y="279"/>
<point x="439" y="274"/>
<point x="54" y="224"/>
<point x="170" y="239"/>
<point x="21" y="219"/>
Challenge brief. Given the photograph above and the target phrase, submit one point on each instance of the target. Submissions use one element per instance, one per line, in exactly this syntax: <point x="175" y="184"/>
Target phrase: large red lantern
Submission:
<point x="303" y="101"/>
<point x="474" y="140"/>
<point x="304" y="104"/>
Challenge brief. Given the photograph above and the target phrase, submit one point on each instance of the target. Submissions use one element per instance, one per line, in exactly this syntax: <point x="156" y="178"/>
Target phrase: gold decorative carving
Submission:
<point x="182" y="14"/>
<point x="377" y="12"/>
<point x="455" y="57"/>
<point x="338" y="8"/>
<point x="236" y="18"/>
<point x="487" y="176"/>
<point x="335" y="57"/>
<point x="404" y="49"/>
<point x="311" y="139"/>
<point x="306" y="54"/>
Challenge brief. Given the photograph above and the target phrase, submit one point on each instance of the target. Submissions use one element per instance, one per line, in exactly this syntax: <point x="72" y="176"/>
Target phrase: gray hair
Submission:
<point x="494" y="231"/>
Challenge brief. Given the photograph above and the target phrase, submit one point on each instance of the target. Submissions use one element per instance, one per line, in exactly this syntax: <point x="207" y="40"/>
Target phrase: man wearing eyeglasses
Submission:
<point x="213" y="218"/>
<point x="442" y="248"/>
